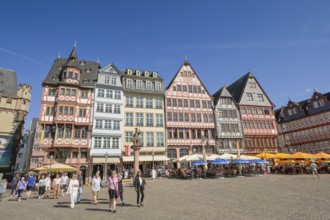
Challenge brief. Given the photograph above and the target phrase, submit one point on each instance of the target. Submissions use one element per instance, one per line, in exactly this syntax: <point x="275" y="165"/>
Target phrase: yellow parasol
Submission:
<point x="265" y="155"/>
<point x="282" y="156"/>
<point x="56" y="167"/>
<point x="301" y="155"/>
<point x="322" y="155"/>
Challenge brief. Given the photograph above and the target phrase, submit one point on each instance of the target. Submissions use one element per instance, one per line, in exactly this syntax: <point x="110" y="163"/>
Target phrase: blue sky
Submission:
<point x="286" y="44"/>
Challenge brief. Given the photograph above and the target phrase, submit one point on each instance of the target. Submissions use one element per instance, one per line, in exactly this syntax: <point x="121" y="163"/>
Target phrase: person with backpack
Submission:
<point x="14" y="181"/>
<point x="21" y="186"/>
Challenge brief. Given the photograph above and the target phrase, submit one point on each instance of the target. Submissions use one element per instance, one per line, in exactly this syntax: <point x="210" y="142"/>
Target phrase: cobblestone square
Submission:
<point x="261" y="197"/>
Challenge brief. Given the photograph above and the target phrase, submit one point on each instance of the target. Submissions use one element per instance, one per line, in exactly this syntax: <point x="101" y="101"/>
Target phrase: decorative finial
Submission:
<point x="59" y="55"/>
<point x="97" y="60"/>
<point x="186" y="57"/>
<point x="75" y="44"/>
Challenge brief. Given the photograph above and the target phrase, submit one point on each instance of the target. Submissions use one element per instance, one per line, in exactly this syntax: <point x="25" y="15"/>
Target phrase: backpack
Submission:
<point x="102" y="183"/>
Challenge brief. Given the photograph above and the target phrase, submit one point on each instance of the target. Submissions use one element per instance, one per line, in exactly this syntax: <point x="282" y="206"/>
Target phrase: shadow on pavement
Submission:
<point x="100" y="210"/>
<point x="61" y="206"/>
<point x="63" y="203"/>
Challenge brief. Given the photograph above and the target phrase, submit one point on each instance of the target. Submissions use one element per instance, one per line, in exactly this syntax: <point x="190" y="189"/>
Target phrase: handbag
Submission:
<point x="102" y="183"/>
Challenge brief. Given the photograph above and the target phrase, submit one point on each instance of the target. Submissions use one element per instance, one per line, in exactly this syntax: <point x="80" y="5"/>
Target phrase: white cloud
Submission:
<point x="21" y="56"/>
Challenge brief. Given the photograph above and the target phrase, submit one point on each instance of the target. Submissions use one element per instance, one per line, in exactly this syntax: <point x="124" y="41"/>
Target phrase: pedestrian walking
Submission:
<point x="80" y="190"/>
<point x="121" y="188"/>
<point x="139" y="188"/>
<point x="96" y="186"/>
<point x="14" y="182"/>
<point x="47" y="184"/>
<point x="64" y="183"/>
<point x="42" y="186"/>
<point x="73" y="190"/>
<point x="113" y="191"/>
<point x="21" y="186"/>
<point x="56" y="186"/>
<point x="30" y="185"/>
<point x="314" y="170"/>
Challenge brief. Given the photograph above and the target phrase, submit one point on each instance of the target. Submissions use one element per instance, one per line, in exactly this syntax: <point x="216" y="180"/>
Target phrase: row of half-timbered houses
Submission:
<point x="88" y="116"/>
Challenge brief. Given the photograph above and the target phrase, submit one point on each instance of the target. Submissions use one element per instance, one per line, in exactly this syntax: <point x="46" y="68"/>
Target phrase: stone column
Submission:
<point x="136" y="149"/>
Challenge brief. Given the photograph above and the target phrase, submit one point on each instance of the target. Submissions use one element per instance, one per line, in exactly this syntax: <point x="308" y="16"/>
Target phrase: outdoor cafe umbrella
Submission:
<point x="228" y="156"/>
<point x="265" y="155"/>
<point x="56" y="167"/>
<point x="281" y="155"/>
<point x="301" y="155"/>
<point x="260" y="161"/>
<point x="322" y="155"/>
<point x="240" y="161"/>
<point x="198" y="163"/>
<point x="219" y="161"/>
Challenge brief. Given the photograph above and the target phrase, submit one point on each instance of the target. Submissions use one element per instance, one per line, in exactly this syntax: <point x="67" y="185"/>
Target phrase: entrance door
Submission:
<point x="83" y="173"/>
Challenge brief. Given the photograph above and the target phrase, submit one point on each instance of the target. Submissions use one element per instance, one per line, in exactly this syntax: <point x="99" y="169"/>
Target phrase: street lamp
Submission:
<point x="51" y="158"/>
<point x="153" y="159"/>
<point x="106" y="166"/>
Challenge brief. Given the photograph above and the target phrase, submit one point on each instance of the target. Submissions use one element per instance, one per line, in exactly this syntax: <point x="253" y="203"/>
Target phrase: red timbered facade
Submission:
<point x="305" y="126"/>
<point x="65" y="120"/>
<point x="257" y="115"/>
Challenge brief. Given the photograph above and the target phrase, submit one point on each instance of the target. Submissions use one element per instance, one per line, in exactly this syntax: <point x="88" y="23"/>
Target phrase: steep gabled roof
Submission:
<point x="186" y="63"/>
<point x="113" y="66"/>
<point x="223" y="92"/>
<point x="237" y="88"/>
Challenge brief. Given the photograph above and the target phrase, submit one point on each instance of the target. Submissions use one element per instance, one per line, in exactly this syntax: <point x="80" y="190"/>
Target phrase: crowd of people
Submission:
<point x="73" y="186"/>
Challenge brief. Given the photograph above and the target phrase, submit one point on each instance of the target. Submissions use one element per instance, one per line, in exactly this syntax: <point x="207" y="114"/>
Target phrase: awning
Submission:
<point x="146" y="158"/>
<point x="109" y="160"/>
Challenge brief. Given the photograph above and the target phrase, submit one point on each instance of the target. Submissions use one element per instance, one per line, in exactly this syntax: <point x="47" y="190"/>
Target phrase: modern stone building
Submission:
<point x="227" y="121"/>
<point x="14" y="106"/>
<point x="66" y="112"/>
<point x="189" y="116"/>
<point x="107" y="120"/>
<point x="305" y="126"/>
<point x="144" y="109"/>
<point x="257" y="115"/>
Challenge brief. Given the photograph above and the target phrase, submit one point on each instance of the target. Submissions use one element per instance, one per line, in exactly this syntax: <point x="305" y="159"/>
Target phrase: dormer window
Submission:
<point x="129" y="71"/>
<point x="321" y="101"/>
<point x="88" y="70"/>
<point x="60" y="66"/>
<point x="316" y="104"/>
<point x="138" y="72"/>
<point x="64" y="75"/>
<point x="146" y="73"/>
<point x="82" y="63"/>
<point x="154" y="74"/>
<point x="70" y="75"/>
<point x="72" y="60"/>
<point x="294" y="110"/>
<point x="290" y="112"/>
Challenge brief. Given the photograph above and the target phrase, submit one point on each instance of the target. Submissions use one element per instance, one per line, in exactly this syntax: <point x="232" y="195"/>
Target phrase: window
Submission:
<point x="116" y="125"/>
<point x="252" y="85"/>
<point x="254" y="111"/>
<point x="129" y="101"/>
<point x="171" y="153"/>
<point x="82" y="112"/>
<point x="179" y="102"/>
<point x="117" y="95"/>
<point x="249" y="96"/>
<point x="99" y="107"/>
<point x="109" y="94"/>
<point x="181" y="117"/>
<point x="204" y="103"/>
<point x="193" y="134"/>
<point x="100" y="93"/>
<point x="139" y="84"/>
<point x="186" y="117"/>
<point x="139" y="102"/>
<point x="169" y="134"/>
<point x="115" y="143"/>
<point x="129" y="119"/>
<point x="195" y="89"/>
<point x="206" y="134"/>
<point x="174" y="88"/>
<point x="199" y="134"/>
<point x="83" y="94"/>
<point x="321" y="101"/>
<point x="175" y="116"/>
<point x="185" y="103"/>
<point x="75" y="154"/>
<point x="290" y="112"/>
<point x="52" y="92"/>
<point x="148" y="85"/>
<point x="260" y="111"/>
<point x="169" y="116"/>
<point x="159" y="103"/>
<point x="107" y="124"/>
<point x="174" y="104"/>
<point x="98" y="124"/>
<point x="211" y="118"/>
<point x="68" y="130"/>
<point x="159" y="120"/>
<point x="180" y="134"/>
<point x="128" y="136"/>
<point x="62" y="91"/>
<point x="184" y="88"/>
<point x="150" y="139"/>
<point x="192" y="104"/>
<point x="67" y="92"/>
<point x="141" y="138"/>
<point x="106" y="142"/>
<point x="248" y="110"/>
<point x="139" y="119"/>
<point x="60" y="131"/>
<point x="97" y="143"/>
<point x="260" y="97"/>
<point x="107" y="80"/>
<point x="205" y="118"/>
<point x="178" y="88"/>
<point x="209" y="104"/>
<point x="158" y="86"/>
<point x="186" y="134"/>
<point x="199" y="118"/>
<point x="168" y="100"/>
<point x="117" y="109"/>
<point x="190" y="88"/>
<point x="198" y="104"/>
<point x="193" y="117"/>
<point x="316" y="104"/>
<point x="294" y="110"/>
<point x="113" y="81"/>
<point x="160" y="139"/>
<point x="149" y="102"/>
<point x="199" y="90"/>
<point x="129" y="84"/>
<point x="66" y="110"/>
<point x="149" y="119"/>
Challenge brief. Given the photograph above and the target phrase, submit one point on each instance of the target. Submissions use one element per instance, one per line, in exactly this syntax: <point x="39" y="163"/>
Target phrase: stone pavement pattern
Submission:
<point x="266" y="197"/>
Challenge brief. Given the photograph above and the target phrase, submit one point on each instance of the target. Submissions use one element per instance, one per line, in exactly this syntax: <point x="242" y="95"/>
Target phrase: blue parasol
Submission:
<point x="241" y="161"/>
<point x="260" y="161"/>
<point x="219" y="161"/>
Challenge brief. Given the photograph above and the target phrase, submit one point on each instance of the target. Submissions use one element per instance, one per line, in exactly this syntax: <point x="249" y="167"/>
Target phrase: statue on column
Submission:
<point x="136" y="137"/>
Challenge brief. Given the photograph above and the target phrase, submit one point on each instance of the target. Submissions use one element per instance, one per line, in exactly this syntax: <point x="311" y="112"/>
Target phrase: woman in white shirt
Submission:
<point x="96" y="186"/>
<point x="56" y="186"/>
<point x="73" y="190"/>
